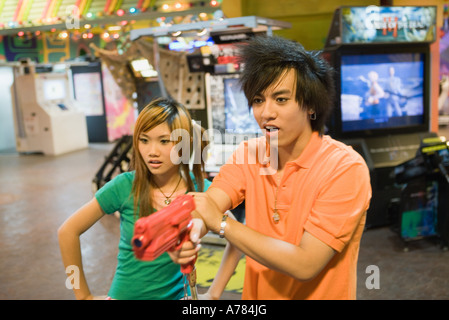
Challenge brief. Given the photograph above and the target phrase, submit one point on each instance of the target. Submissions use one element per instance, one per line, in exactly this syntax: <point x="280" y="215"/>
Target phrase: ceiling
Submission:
<point x="41" y="15"/>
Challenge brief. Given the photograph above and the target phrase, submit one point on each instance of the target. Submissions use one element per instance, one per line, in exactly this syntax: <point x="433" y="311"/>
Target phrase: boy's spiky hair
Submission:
<point x="265" y="59"/>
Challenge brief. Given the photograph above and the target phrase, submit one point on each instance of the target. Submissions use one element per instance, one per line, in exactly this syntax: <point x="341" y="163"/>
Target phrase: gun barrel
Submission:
<point x="138" y="242"/>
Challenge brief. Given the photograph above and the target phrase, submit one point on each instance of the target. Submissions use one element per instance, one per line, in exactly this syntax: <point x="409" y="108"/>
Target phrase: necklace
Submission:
<point x="276" y="216"/>
<point x="167" y="200"/>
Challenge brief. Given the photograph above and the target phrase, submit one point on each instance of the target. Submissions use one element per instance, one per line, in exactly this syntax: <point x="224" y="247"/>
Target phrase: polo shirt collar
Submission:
<point x="309" y="153"/>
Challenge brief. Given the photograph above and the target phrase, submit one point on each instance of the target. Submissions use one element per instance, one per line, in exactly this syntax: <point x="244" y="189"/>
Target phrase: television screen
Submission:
<point x="228" y="111"/>
<point x="238" y="116"/>
<point x="382" y="91"/>
<point x="229" y="117"/>
<point x="54" y="89"/>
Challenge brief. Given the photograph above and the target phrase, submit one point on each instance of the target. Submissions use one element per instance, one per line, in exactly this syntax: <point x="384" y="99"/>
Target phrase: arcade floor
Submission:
<point x="37" y="193"/>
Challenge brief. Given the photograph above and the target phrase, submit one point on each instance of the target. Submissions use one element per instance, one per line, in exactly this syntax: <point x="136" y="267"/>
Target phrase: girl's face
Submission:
<point x="154" y="147"/>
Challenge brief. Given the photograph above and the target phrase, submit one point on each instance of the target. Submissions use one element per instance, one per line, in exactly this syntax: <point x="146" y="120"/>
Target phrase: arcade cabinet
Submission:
<point x="423" y="209"/>
<point x="381" y="57"/>
<point x="228" y="117"/>
<point x="46" y="120"/>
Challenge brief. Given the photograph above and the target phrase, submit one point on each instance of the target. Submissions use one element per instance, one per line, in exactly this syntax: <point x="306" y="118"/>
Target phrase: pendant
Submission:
<point x="167" y="201"/>
<point x="276" y="217"/>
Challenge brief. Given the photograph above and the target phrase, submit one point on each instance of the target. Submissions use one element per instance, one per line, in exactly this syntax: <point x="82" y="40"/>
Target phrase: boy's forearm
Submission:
<point x="302" y="262"/>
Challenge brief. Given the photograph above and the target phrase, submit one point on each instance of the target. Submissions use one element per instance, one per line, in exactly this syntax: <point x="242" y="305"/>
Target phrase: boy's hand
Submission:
<point x="189" y="249"/>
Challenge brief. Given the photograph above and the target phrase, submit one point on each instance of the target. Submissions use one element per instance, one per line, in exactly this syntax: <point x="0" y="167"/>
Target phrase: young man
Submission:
<point x="305" y="217"/>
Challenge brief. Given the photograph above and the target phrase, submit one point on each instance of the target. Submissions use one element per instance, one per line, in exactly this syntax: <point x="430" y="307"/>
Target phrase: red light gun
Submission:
<point x="166" y="230"/>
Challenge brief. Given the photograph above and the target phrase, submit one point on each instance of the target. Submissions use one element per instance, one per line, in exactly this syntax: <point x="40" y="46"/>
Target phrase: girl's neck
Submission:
<point x="168" y="182"/>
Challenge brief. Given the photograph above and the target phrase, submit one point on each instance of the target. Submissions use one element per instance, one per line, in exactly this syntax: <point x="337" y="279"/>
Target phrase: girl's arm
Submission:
<point x="69" y="242"/>
<point x="229" y="261"/>
<point x="231" y="258"/>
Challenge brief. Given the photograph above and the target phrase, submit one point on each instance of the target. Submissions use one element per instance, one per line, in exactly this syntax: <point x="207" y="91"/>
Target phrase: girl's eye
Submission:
<point x="143" y="140"/>
<point x="165" y="141"/>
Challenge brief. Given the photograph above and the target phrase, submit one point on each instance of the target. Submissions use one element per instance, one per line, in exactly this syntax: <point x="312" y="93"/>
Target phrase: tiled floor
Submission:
<point x="37" y="193"/>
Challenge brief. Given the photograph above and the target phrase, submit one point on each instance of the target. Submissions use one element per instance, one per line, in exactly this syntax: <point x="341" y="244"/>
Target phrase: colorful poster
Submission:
<point x="54" y="48"/>
<point x="374" y="24"/>
<point x="46" y="48"/>
<point x="16" y="48"/>
<point x="443" y="100"/>
<point x="119" y="110"/>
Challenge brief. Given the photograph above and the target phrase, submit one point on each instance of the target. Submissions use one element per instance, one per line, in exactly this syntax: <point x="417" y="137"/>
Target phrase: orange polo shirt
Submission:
<point x="325" y="191"/>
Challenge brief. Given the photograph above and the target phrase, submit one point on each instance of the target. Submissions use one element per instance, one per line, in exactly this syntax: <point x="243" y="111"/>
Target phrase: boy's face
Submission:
<point x="277" y="111"/>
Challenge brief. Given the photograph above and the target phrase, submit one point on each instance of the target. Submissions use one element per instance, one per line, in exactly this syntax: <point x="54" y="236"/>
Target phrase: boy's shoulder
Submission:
<point x="342" y="148"/>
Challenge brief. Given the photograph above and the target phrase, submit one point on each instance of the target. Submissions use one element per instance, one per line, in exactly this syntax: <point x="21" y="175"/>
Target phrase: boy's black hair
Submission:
<point x="265" y="59"/>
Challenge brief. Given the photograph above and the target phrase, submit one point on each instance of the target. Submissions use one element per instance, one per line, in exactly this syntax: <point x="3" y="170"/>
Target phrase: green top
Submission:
<point x="135" y="279"/>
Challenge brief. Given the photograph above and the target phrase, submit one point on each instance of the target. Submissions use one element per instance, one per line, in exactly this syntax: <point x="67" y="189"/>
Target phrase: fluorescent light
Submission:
<point x="141" y="64"/>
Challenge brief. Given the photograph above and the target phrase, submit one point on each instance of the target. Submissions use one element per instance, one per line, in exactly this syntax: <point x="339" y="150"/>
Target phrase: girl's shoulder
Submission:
<point x="125" y="177"/>
<point x="207" y="182"/>
<point x="121" y="181"/>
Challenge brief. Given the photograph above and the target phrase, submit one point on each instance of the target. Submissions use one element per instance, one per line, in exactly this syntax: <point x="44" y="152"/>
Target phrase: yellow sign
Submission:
<point x="207" y="265"/>
<point x="433" y="148"/>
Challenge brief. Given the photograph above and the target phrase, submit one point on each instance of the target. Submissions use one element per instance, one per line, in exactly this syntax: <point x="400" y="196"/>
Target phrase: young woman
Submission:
<point x="157" y="178"/>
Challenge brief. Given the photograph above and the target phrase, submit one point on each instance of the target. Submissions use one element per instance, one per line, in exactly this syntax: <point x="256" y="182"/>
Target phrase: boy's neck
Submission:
<point x="293" y="151"/>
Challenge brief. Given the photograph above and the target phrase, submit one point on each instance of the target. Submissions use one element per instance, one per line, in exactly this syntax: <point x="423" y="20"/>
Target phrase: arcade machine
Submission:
<point x="46" y="120"/>
<point x="230" y="120"/>
<point x="381" y="56"/>
<point x="423" y="209"/>
<point x="228" y="116"/>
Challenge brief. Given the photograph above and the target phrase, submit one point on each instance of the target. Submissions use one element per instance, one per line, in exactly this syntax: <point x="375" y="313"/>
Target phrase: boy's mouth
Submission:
<point x="271" y="131"/>
<point x="271" y="128"/>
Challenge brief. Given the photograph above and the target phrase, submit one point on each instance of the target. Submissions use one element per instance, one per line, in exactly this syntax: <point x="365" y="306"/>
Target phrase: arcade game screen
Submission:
<point x="239" y="117"/>
<point x="382" y="91"/>
<point x="54" y="89"/>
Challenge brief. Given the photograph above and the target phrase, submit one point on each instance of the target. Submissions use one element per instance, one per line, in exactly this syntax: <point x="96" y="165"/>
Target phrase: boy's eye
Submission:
<point x="257" y="101"/>
<point x="280" y="99"/>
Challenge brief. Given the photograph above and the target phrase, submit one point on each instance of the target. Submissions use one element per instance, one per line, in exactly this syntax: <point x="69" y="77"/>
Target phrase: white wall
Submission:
<point x="7" y="136"/>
